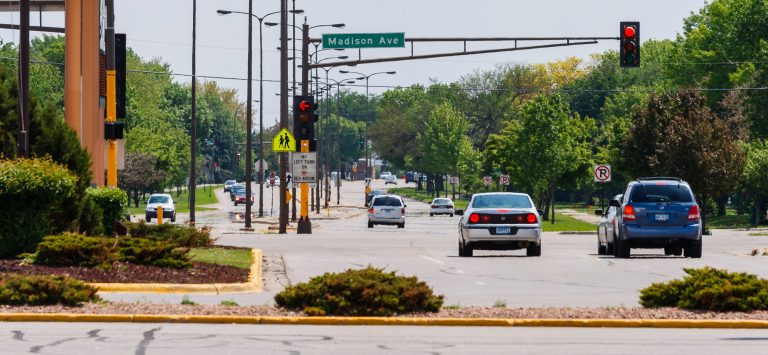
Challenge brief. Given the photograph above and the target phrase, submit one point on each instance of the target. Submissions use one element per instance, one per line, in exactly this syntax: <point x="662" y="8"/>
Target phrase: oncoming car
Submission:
<point x="165" y="200"/>
<point x="387" y="209"/>
<point x="500" y="221"/>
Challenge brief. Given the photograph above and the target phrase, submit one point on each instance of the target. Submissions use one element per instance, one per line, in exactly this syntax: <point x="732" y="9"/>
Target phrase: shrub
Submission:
<point x="113" y="204"/>
<point x="365" y="292"/>
<point x="183" y="236"/>
<point x="91" y="217"/>
<point x="145" y="251"/>
<point x="71" y="249"/>
<point x="45" y="290"/>
<point x="30" y="191"/>
<point x="709" y="289"/>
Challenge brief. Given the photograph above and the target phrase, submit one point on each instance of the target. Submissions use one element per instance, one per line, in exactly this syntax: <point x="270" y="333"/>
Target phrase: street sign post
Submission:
<point x="304" y="169"/>
<point x="363" y="40"/>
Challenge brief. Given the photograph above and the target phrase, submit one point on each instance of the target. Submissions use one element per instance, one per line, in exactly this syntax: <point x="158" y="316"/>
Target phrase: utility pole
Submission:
<point x="111" y="93"/>
<point x="193" y="124"/>
<point x="293" y="92"/>
<point x="22" y="140"/>
<point x="304" y="225"/>
<point x="249" y="124"/>
<point x="284" y="112"/>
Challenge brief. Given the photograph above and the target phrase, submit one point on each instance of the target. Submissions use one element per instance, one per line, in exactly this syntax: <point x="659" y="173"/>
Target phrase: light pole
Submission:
<point x="261" y="99"/>
<point x="234" y="140"/>
<point x="368" y="170"/>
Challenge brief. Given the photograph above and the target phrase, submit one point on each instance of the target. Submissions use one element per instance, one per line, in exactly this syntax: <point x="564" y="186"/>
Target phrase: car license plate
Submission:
<point x="503" y="230"/>
<point x="662" y="217"/>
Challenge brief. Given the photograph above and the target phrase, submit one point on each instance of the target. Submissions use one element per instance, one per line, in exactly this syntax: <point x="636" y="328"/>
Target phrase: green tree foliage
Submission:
<point x="754" y="176"/>
<point x="140" y="176"/>
<point x="440" y="141"/>
<point x="169" y="143"/>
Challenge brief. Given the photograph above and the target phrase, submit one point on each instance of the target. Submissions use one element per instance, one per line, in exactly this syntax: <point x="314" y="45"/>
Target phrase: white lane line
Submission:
<point x="459" y="271"/>
<point x="439" y="262"/>
<point x="480" y="283"/>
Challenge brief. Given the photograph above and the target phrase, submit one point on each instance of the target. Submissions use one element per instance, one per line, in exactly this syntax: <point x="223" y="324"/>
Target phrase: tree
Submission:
<point x="441" y="139"/>
<point x="754" y="179"/>
<point x="676" y="134"/>
<point x="170" y="144"/>
<point x="140" y="176"/>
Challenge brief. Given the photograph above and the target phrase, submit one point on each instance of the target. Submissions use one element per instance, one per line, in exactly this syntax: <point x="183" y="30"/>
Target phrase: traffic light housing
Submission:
<point x="360" y="142"/>
<point x="304" y="119"/>
<point x="629" y="53"/>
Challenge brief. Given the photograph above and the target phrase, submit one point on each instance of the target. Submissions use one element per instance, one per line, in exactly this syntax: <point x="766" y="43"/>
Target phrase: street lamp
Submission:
<point x="367" y="100"/>
<point x="248" y="169"/>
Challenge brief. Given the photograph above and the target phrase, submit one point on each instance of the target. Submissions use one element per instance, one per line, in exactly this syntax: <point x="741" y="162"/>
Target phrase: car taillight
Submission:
<point x="629" y="213"/>
<point x="531" y="218"/>
<point x="474" y="218"/>
<point x="451" y="206"/>
<point x="693" y="213"/>
<point x="403" y="210"/>
<point x="434" y="206"/>
<point x="370" y="211"/>
<point x="485" y="218"/>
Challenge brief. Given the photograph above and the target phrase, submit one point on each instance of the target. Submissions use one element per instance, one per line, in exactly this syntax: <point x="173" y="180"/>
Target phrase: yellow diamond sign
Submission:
<point x="284" y="142"/>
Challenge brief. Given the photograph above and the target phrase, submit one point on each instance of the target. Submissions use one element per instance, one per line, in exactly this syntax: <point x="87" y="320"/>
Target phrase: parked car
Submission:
<point x="607" y="226"/>
<point x="387" y="209"/>
<point x="390" y="179"/>
<point x="234" y="189"/>
<point x="240" y="197"/>
<point x="441" y="206"/>
<point x="657" y="212"/>
<point x="228" y="184"/>
<point x="371" y="194"/>
<point x="155" y="200"/>
<point x="500" y="221"/>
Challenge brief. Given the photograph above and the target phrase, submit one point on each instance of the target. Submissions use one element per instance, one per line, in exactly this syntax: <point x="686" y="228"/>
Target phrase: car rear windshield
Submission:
<point x="661" y="193"/>
<point x="442" y="201"/>
<point x="158" y="199"/>
<point x="502" y="201"/>
<point x="387" y="202"/>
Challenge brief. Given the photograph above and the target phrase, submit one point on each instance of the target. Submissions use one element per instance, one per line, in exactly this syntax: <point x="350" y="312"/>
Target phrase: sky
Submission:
<point x="163" y="29"/>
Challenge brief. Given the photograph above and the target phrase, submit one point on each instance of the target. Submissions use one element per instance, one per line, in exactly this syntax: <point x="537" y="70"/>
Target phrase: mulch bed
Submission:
<point x="202" y="273"/>
<point x="468" y="312"/>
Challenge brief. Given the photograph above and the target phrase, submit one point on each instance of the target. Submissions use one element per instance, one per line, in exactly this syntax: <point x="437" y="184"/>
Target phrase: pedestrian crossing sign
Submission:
<point x="284" y="142"/>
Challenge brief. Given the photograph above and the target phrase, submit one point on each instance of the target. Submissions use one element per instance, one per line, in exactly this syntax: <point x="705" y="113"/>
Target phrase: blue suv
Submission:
<point x="657" y="212"/>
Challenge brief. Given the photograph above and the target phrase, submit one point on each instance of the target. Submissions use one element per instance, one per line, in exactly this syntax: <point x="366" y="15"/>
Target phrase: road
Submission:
<point x="190" y="339"/>
<point x="568" y="274"/>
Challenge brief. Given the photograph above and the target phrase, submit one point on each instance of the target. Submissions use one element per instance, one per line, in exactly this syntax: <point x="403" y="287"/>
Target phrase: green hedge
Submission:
<point x="709" y="289"/>
<point x="182" y="236"/>
<point x="71" y="249"/>
<point x="19" y="290"/>
<point x="146" y="251"/>
<point x="30" y="191"/>
<point x="112" y="203"/>
<point x="365" y="292"/>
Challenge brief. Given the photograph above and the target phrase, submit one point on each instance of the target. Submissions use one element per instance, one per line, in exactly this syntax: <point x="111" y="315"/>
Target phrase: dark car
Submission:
<point x="657" y="212"/>
<point x="410" y="176"/>
<point x="370" y="195"/>
<point x="607" y="226"/>
<point x="240" y="197"/>
<point x="234" y="189"/>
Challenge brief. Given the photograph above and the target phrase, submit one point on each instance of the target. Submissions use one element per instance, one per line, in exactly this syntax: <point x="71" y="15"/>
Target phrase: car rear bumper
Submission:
<point x="486" y="233"/>
<point x="386" y="220"/>
<point x="636" y="232"/>
<point x="441" y="211"/>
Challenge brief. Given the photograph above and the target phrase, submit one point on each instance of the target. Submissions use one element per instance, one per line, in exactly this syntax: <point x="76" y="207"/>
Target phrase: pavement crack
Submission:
<point x="149" y="336"/>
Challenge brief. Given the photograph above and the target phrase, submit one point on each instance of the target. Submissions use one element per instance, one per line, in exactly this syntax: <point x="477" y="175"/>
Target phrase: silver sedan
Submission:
<point x="500" y="221"/>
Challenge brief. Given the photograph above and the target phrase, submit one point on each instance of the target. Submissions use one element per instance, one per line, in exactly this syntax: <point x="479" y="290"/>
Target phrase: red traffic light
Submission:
<point x="629" y="31"/>
<point x="305" y="105"/>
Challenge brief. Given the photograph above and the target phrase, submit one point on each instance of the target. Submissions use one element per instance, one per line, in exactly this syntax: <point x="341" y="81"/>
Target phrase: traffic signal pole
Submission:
<point x="283" y="113"/>
<point x="111" y="93"/>
<point x="304" y="225"/>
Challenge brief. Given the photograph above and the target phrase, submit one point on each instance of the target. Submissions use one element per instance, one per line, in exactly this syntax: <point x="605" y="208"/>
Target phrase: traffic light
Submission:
<point x="304" y="119"/>
<point x="629" y="53"/>
<point x="360" y="142"/>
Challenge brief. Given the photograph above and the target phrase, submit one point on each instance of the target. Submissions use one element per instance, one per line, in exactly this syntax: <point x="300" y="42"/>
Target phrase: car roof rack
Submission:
<point x="653" y="178"/>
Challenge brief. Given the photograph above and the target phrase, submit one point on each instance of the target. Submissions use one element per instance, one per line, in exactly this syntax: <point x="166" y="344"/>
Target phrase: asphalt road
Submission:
<point x="568" y="274"/>
<point x="190" y="339"/>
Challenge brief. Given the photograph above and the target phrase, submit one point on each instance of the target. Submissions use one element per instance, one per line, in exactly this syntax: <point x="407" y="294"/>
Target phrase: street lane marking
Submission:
<point x="439" y="262"/>
<point x="480" y="283"/>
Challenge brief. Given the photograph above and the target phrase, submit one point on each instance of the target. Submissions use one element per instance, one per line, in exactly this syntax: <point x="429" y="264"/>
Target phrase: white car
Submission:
<point x="165" y="200"/>
<point x="390" y="179"/>
<point x="385" y="174"/>
<point x="387" y="209"/>
<point x="441" y="206"/>
<point x="500" y="221"/>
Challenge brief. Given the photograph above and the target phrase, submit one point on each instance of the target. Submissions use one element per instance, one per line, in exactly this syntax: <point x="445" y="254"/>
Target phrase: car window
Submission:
<point x="501" y="201"/>
<point x="158" y="199"/>
<point x="442" y="201"/>
<point x="387" y="202"/>
<point x="643" y="193"/>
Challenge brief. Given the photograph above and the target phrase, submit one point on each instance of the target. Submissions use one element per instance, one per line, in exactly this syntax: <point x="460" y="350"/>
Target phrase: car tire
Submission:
<point x="235" y="203"/>
<point x="693" y="249"/>
<point x="401" y="225"/>
<point x="465" y="250"/>
<point x="533" y="250"/>
<point x="370" y="224"/>
<point x="622" y="249"/>
<point x="148" y="219"/>
<point x="601" y="249"/>
<point x="668" y="251"/>
<point x="431" y="214"/>
<point x="677" y="251"/>
<point x="173" y="217"/>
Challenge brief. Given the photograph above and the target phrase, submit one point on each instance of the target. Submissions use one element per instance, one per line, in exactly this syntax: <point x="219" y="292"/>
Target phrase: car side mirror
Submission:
<point x="459" y="212"/>
<point x="541" y="212"/>
<point x="598" y="212"/>
<point x="405" y="205"/>
<point x="614" y="203"/>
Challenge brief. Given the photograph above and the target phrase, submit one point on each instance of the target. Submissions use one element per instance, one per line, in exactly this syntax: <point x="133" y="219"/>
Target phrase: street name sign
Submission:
<point x="363" y="40"/>
<point x="304" y="168"/>
<point x="284" y="142"/>
<point x="602" y="173"/>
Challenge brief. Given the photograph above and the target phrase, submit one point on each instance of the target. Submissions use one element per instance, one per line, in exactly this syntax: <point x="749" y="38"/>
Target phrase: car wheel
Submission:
<point x="601" y="249"/>
<point x="401" y="225"/>
<point x="622" y="249"/>
<point x="370" y="224"/>
<point x="431" y="214"/>
<point x="451" y="214"/>
<point x="148" y="218"/>
<point x="693" y="249"/>
<point x="173" y="217"/>
<point x="464" y="250"/>
<point x="533" y="250"/>
<point x="677" y="251"/>
<point x="668" y="251"/>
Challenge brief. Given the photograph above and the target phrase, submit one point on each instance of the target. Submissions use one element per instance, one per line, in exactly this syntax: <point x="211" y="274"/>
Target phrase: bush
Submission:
<point x="709" y="289"/>
<point x="366" y="292"/>
<point x="182" y="236"/>
<point x="145" y="251"/>
<point x="112" y="203"/>
<point x="45" y="290"/>
<point x="71" y="249"/>
<point x="91" y="217"/>
<point x="30" y="191"/>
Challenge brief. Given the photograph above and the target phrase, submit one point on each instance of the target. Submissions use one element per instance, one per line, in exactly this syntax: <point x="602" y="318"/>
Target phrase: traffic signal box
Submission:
<point x="629" y="53"/>
<point x="304" y="119"/>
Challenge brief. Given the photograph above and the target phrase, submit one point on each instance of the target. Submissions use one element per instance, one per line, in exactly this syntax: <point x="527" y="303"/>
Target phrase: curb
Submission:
<point x="253" y="284"/>
<point x="384" y="321"/>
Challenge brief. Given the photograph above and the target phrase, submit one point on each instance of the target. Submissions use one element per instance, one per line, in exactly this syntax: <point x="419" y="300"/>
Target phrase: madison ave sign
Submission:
<point x="364" y="40"/>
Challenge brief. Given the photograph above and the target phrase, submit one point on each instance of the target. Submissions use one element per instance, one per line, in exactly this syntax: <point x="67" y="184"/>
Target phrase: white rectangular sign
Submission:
<point x="304" y="168"/>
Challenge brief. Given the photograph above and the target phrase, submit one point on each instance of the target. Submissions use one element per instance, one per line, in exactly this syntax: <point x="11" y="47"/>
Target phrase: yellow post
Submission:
<point x="159" y="214"/>
<point x="305" y="187"/>
<point x="112" y="117"/>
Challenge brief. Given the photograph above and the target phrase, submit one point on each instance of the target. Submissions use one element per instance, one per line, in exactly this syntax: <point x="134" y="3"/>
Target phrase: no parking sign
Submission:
<point x="602" y="173"/>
